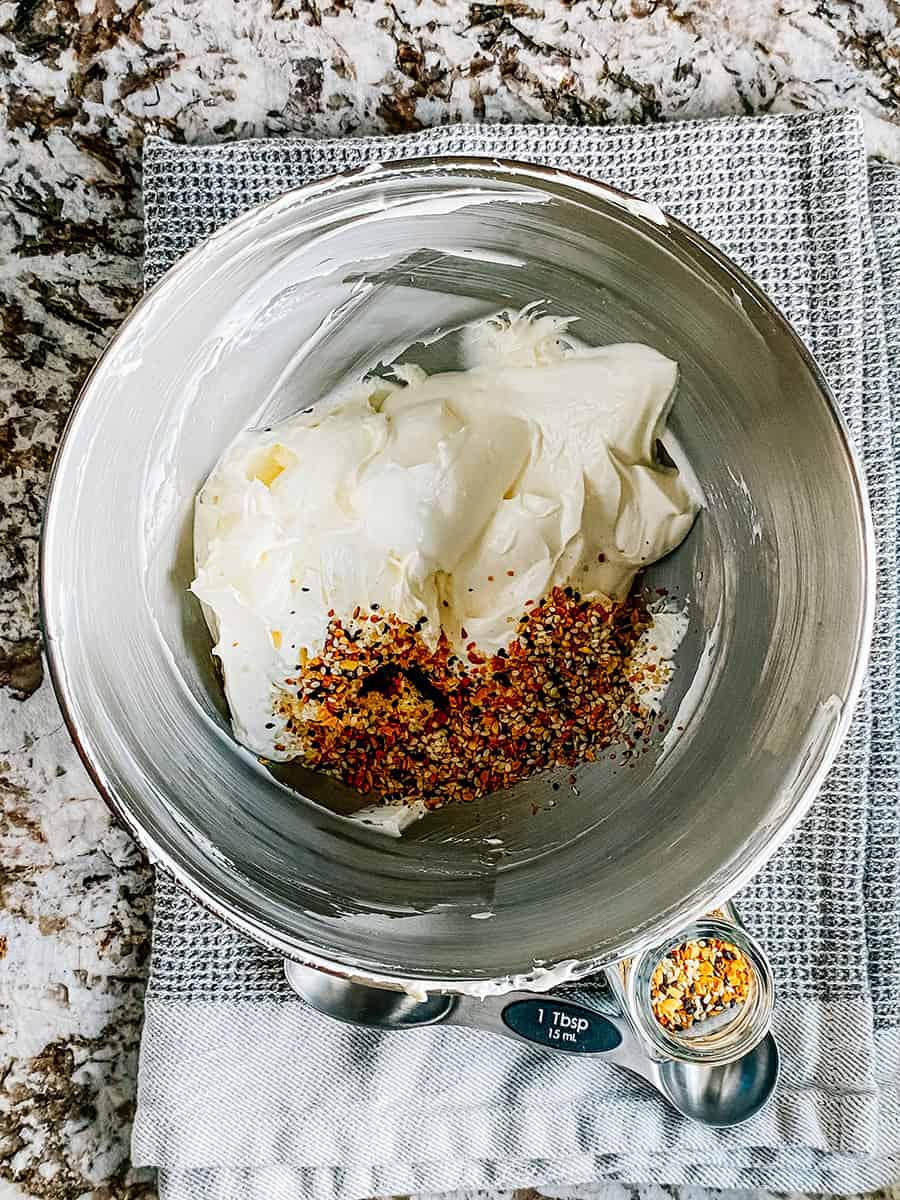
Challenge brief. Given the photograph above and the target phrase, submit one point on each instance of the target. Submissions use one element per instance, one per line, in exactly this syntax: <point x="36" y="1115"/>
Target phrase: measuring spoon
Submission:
<point x="715" y="1095"/>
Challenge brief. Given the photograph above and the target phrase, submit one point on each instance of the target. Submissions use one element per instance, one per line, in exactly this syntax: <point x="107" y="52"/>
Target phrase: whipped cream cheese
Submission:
<point x="451" y="499"/>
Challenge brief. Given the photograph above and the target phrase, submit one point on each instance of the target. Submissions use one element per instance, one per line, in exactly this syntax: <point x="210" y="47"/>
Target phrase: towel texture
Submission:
<point x="246" y="1094"/>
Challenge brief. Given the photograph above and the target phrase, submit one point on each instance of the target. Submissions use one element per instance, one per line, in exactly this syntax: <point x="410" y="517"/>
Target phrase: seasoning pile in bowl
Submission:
<point x="424" y="585"/>
<point x="390" y="715"/>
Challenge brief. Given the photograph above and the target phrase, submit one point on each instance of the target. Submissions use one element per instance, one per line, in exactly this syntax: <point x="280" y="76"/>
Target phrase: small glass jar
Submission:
<point x="712" y="1040"/>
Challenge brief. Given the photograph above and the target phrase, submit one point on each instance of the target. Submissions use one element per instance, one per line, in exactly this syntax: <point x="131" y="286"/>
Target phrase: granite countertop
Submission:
<point x="81" y="83"/>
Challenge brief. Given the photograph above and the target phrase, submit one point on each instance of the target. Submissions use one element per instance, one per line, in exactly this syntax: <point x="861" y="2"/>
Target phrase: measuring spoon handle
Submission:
<point x="557" y="1024"/>
<point x="545" y="1020"/>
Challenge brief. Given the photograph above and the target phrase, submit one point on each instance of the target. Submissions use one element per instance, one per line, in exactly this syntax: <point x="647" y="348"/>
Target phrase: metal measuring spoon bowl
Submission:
<point x="357" y="1003"/>
<point x="728" y="1094"/>
<point x="714" y="1095"/>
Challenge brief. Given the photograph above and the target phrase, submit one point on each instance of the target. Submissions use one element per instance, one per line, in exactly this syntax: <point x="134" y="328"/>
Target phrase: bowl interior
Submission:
<point x="311" y="290"/>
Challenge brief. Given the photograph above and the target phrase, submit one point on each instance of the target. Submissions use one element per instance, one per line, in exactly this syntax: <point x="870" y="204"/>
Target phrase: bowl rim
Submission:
<point x="639" y="209"/>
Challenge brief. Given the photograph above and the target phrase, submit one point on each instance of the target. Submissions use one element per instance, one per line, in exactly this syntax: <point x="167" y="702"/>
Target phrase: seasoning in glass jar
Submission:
<point x="696" y="980"/>
<point x="705" y="995"/>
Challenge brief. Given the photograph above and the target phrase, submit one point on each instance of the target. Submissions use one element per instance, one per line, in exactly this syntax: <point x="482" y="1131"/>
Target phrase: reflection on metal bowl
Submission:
<point x="310" y="290"/>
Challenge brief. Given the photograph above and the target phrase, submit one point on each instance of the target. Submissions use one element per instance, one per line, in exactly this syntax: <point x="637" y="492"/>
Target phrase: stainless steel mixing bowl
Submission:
<point x="309" y="290"/>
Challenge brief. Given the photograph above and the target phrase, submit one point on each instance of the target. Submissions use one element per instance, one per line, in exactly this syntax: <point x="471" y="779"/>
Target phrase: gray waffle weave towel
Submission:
<point x="246" y="1095"/>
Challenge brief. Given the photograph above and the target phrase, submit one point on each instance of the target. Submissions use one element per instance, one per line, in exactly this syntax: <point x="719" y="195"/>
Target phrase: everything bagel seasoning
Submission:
<point x="388" y="714"/>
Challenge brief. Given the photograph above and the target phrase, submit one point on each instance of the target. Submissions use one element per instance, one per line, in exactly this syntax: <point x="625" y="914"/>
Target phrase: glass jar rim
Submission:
<point x="724" y="1043"/>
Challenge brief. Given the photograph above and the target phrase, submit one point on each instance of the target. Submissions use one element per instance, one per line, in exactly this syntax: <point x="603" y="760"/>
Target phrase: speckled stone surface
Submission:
<point x="81" y="83"/>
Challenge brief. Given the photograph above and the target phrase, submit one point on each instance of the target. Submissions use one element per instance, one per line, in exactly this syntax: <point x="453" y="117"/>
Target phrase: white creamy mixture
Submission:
<point x="454" y="497"/>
